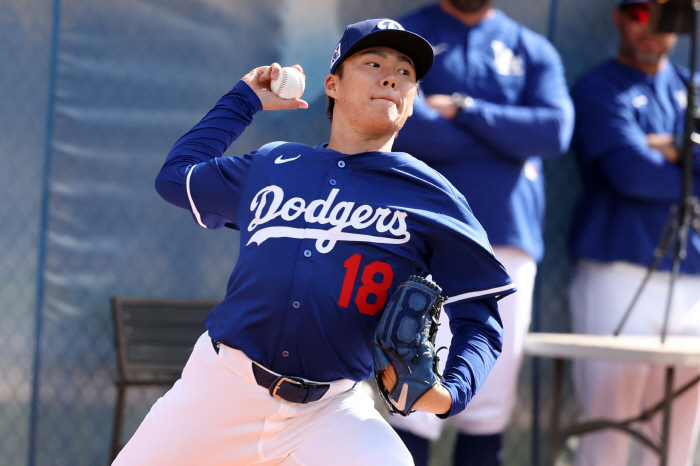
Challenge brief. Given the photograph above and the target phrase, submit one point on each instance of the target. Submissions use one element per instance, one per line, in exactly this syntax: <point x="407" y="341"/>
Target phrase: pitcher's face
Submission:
<point x="376" y="91"/>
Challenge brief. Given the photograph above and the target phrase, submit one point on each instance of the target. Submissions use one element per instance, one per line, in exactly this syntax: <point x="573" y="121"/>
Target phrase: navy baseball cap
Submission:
<point x="384" y="33"/>
<point x="631" y="2"/>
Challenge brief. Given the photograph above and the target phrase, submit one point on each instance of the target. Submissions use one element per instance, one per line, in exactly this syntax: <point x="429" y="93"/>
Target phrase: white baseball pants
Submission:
<point x="217" y="415"/>
<point x="490" y="410"/>
<point x="600" y="294"/>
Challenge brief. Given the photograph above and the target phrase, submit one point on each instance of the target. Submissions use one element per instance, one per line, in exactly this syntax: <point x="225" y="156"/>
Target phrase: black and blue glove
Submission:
<point x="405" y="338"/>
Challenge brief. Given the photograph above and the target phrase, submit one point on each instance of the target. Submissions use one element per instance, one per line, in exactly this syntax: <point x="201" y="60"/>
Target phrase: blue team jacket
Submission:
<point x="522" y="113"/>
<point x="629" y="188"/>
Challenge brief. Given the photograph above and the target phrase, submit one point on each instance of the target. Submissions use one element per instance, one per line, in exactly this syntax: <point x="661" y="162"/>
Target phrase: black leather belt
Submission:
<point x="292" y="389"/>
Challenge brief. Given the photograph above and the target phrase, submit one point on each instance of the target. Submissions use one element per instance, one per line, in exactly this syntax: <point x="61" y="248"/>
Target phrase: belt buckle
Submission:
<point x="280" y="380"/>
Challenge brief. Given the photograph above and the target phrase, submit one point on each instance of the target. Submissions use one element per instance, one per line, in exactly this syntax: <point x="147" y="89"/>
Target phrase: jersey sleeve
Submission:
<point x="476" y="344"/>
<point x="542" y="125"/>
<point x="461" y="259"/>
<point x="196" y="177"/>
<point x="463" y="264"/>
<point x="454" y="140"/>
<point x="214" y="188"/>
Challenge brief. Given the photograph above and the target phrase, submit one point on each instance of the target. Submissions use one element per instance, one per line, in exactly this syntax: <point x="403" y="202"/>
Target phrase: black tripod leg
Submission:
<point x="680" y="254"/>
<point x="659" y="253"/>
<point x="695" y="223"/>
<point x="669" y="300"/>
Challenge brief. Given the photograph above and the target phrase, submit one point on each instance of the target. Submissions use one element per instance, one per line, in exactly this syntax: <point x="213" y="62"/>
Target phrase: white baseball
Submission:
<point x="289" y="84"/>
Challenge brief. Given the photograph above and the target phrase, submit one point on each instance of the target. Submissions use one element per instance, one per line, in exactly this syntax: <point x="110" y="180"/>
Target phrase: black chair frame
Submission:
<point x="153" y="339"/>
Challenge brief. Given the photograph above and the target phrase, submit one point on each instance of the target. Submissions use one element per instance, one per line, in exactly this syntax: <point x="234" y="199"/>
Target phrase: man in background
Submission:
<point x="630" y="122"/>
<point x="494" y="105"/>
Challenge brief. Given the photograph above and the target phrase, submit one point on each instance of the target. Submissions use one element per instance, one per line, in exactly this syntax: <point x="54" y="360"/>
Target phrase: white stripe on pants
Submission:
<point x="600" y="294"/>
<point x="217" y="415"/>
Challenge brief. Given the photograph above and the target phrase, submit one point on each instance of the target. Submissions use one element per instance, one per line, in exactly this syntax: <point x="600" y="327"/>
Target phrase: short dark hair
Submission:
<point x="331" y="101"/>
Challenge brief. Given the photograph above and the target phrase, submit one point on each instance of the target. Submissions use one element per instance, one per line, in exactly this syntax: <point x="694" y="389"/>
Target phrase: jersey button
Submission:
<point x="296" y="304"/>
<point x="332" y="182"/>
<point x="341" y="164"/>
<point x="307" y="253"/>
<point x="285" y="353"/>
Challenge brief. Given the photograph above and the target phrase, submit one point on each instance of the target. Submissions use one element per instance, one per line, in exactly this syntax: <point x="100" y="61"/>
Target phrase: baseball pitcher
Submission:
<point x="329" y="236"/>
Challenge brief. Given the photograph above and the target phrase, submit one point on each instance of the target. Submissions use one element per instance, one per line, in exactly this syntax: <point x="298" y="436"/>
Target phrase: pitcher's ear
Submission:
<point x="331" y="85"/>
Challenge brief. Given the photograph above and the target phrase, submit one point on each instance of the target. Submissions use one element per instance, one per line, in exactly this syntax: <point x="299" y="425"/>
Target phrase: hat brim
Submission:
<point x="625" y="3"/>
<point x="414" y="46"/>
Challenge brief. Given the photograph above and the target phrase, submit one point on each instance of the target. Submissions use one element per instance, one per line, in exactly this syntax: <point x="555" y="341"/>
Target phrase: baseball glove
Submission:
<point x="405" y="338"/>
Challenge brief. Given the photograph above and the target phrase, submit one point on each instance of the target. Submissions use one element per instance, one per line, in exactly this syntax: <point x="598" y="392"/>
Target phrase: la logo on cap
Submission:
<point x="389" y="24"/>
<point x="336" y="55"/>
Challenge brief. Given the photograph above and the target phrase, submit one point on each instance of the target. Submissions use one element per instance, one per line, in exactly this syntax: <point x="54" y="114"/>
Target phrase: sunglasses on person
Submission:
<point x="638" y="12"/>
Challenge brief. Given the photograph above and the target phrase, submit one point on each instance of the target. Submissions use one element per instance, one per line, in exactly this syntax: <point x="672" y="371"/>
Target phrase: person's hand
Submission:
<point x="437" y="400"/>
<point x="664" y="144"/>
<point x="443" y="104"/>
<point x="259" y="80"/>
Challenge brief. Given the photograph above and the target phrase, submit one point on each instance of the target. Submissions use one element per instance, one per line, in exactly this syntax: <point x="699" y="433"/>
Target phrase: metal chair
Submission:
<point x="154" y="339"/>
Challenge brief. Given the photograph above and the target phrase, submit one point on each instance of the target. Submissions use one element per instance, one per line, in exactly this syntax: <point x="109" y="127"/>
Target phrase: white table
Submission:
<point x="674" y="351"/>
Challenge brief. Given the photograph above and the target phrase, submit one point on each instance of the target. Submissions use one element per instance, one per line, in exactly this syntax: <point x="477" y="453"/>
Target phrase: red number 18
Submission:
<point x="369" y="286"/>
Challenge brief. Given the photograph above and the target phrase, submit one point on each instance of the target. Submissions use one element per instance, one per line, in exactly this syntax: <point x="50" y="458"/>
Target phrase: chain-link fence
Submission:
<point x="93" y="94"/>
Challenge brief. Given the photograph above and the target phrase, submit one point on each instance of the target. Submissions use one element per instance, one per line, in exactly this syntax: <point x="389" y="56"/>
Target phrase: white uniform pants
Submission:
<point x="600" y="294"/>
<point x="490" y="410"/>
<point x="217" y="415"/>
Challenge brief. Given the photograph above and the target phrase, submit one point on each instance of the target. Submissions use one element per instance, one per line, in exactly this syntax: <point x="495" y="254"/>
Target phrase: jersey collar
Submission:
<point x="369" y="159"/>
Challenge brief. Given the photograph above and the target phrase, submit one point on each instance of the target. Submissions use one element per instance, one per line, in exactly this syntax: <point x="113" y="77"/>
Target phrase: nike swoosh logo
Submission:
<point x="441" y="47"/>
<point x="279" y="159"/>
<point x="401" y="405"/>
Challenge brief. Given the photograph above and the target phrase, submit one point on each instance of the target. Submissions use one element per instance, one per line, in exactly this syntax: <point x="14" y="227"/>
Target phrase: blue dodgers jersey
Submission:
<point x="629" y="188"/>
<point x="326" y="238"/>
<point x="492" y="152"/>
<point x="323" y="246"/>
